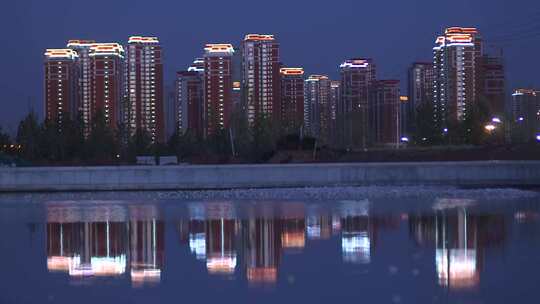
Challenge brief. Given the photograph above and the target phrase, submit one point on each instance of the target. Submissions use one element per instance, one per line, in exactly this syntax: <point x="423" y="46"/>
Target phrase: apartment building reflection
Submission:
<point x="105" y="241"/>
<point x="293" y="232"/>
<point x="146" y="245"/>
<point x="211" y="233"/>
<point x="220" y="230"/>
<point x="357" y="232"/>
<point x="261" y="245"/>
<point x="319" y="223"/>
<point x="460" y="238"/>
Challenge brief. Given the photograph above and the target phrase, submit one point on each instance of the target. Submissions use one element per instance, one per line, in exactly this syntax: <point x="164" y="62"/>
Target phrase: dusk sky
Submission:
<point x="315" y="34"/>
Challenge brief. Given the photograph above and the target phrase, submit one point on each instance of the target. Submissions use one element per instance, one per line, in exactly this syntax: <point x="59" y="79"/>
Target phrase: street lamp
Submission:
<point x="490" y="128"/>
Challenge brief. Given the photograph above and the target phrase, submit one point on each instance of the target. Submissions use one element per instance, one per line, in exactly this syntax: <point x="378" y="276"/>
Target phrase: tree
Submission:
<point x="425" y="132"/>
<point x="477" y="116"/>
<point x="4" y="139"/>
<point x="101" y="144"/>
<point x="241" y="133"/>
<point x="28" y="134"/>
<point x="263" y="139"/>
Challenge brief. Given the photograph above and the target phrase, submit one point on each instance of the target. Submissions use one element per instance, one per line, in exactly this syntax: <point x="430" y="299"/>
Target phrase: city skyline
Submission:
<point x="331" y="50"/>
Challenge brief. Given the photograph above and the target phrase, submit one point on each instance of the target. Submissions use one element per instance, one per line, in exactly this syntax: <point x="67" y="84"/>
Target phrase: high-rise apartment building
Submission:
<point x="336" y="109"/>
<point x="260" y="76"/>
<point x="492" y="86"/>
<point x="357" y="76"/>
<point x="317" y="107"/>
<point x="61" y="84"/>
<point x="526" y="115"/>
<point x="455" y="61"/>
<point x="292" y="99"/>
<point x="217" y="86"/>
<point x="384" y="113"/>
<point x="106" y="89"/>
<point x="84" y="102"/>
<point x="421" y="79"/>
<point x="144" y="84"/>
<point x="189" y="101"/>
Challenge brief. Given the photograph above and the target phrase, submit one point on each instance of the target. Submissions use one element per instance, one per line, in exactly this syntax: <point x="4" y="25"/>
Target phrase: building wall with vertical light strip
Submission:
<point x="455" y="60"/>
<point x="217" y="87"/>
<point x="260" y="74"/>
<point x="384" y="113"/>
<point x="189" y="102"/>
<point x="106" y="74"/>
<point x="357" y="76"/>
<point x="317" y="106"/>
<point x="145" y="87"/>
<point x="84" y="102"/>
<point x="292" y="99"/>
<point x="61" y="89"/>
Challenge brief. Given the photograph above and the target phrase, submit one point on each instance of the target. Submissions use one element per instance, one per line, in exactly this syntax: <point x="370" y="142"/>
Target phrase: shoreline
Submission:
<point x="223" y="177"/>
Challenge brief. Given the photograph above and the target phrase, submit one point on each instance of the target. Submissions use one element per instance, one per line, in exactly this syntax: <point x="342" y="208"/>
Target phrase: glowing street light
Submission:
<point x="490" y="127"/>
<point x="496" y="120"/>
<point x="538" y="137"/>
<point x="404" y="139"/>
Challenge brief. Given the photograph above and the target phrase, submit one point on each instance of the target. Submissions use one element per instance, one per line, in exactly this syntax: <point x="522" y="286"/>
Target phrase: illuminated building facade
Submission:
<point x="317" y="106"/>
<point x="357" y="76"/>
<point x="106" y="74"/>
<point x="61" y="85"/>
<point x="384" y="113"/>
<point x="260" y="73"/>
<point x="189" y="101"/>
<point x="84" y="104"/>
<point x="218" y="86"/>
<point x="455" y="61"/>
<point x="525" y="115"/>
<point x="144" y="109"/>
<point x="292" y="99"/>
<point x="336" y="111"/>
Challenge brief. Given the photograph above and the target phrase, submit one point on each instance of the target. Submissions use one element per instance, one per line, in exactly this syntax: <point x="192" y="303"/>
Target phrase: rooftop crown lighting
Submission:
<point x="61" y="54"/>
<point x="291" y="71"/>
<point x="355" y="63"/>
<point x="141" y="39"/>
<point x="106" y="49"/>
<point x="317" y="77"/>
<point x="259" y="37"/>
<point x="219" y="48"/>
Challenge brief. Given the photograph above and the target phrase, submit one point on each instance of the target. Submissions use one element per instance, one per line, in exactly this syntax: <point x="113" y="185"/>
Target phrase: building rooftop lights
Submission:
<point x="141" y="39"/>
<point x="259" y="37"/>
<point x="460" y="30"/>
<point x="106" y="49"/>
<point x="291" y="71"/>
<point x="219" y="48"/>
<point x="355" y="63"/>
<point x="520" y="92"/>
<point x="61" y="54"/>
<point x="80" y="42"/>
<point x="317" y="77"/>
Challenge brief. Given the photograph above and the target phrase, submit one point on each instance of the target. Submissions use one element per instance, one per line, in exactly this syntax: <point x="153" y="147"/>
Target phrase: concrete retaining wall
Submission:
<point x="489" y="173"/>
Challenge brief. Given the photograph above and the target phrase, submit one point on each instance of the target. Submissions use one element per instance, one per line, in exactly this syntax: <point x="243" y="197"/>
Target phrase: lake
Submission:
<point x="447" y="247"/>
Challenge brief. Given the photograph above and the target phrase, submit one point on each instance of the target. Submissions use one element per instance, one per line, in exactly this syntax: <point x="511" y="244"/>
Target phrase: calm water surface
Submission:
<point x="436" y="250"/>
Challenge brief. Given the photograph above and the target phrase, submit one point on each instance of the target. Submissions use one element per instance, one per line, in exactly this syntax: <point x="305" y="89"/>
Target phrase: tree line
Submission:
<point x="49" y="142"/>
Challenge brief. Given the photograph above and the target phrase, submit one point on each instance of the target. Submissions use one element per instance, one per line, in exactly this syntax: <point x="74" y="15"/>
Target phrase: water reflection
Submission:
<point x="460" y="239"/>
<point x="105" y="241"/>
<point x="249" y="240"/>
